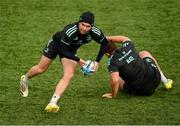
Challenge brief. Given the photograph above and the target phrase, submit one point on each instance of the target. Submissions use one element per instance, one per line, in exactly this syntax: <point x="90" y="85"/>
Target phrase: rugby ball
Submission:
<point x="88" y="68"/>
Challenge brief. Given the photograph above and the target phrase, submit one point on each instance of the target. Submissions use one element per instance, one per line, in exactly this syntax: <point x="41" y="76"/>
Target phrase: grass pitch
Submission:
<point x="27" y="25"/>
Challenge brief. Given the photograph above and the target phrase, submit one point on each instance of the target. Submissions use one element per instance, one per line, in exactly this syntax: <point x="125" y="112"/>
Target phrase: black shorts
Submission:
<point x="154" y="80"/>
<point x="153" y="68"/>
<point x="52" y="49"/>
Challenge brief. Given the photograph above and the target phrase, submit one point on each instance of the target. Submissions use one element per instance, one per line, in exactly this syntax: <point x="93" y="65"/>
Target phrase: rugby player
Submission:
<point x="65" y="43"/>
<point x="135" y="73"/>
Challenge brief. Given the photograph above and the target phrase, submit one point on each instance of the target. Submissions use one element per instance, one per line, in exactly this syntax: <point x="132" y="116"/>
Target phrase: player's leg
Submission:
<point x="41" y="67"/>
<point x="49" y="53"/>
<point x="167" y="82"/>
<point x="69" y="68"/>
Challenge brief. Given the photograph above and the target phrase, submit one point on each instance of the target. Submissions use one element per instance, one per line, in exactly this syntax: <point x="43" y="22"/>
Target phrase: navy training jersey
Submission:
<point x="71" y="38"/>
<point x="127" y="62"/>
<point x="136" y="73"/>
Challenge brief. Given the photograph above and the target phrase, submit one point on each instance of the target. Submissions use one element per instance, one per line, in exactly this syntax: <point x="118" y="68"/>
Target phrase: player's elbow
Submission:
<point x="114" y="81"/>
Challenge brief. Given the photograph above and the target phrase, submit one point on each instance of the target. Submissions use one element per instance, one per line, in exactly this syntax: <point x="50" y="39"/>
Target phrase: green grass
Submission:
<point x="26" y="26"/>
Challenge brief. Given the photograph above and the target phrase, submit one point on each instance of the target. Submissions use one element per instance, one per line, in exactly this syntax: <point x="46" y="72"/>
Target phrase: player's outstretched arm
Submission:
<point x="117" y="39"/>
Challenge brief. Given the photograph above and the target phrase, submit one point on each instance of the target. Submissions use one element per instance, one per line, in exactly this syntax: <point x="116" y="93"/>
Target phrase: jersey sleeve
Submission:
<point x="97" y="34"/>
<point x="67" y="34"/>
<point x="129" y="45"/>
<point x="99" y="37"/>
<point x="112" y="67"/>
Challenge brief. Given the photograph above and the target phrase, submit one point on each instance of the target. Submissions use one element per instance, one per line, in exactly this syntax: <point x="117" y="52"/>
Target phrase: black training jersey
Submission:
<point x="126" y="61"/>
<point x="70" y="37"/>
<point x="132" y="69"/>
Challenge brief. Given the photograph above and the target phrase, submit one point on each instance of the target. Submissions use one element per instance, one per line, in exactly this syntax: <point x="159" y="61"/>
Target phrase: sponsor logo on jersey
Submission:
<point x="125" y="54"/>
<point x="129" y="59"/>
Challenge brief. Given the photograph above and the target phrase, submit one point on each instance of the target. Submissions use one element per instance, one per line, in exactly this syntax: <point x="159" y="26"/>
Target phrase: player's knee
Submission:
<point x="144" y="53"/>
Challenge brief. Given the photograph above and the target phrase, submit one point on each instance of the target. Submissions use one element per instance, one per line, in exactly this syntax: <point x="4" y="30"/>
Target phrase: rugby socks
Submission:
<point x="163" y="78"/>
<point x="54" y="99"/>
<point x="26" y="77"/>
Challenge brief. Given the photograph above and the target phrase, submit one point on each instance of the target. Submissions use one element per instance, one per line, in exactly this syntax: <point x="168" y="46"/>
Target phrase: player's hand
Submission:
<point x="96" y="66"/>
<point x="81" y="63"/>
<point x="107" y="95"/>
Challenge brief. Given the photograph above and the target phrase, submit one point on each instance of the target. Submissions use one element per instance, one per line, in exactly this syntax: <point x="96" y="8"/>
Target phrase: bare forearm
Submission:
<point x="115" y="88"/>
<point x="118" y="39"/>
<point x="116" y="85"/>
